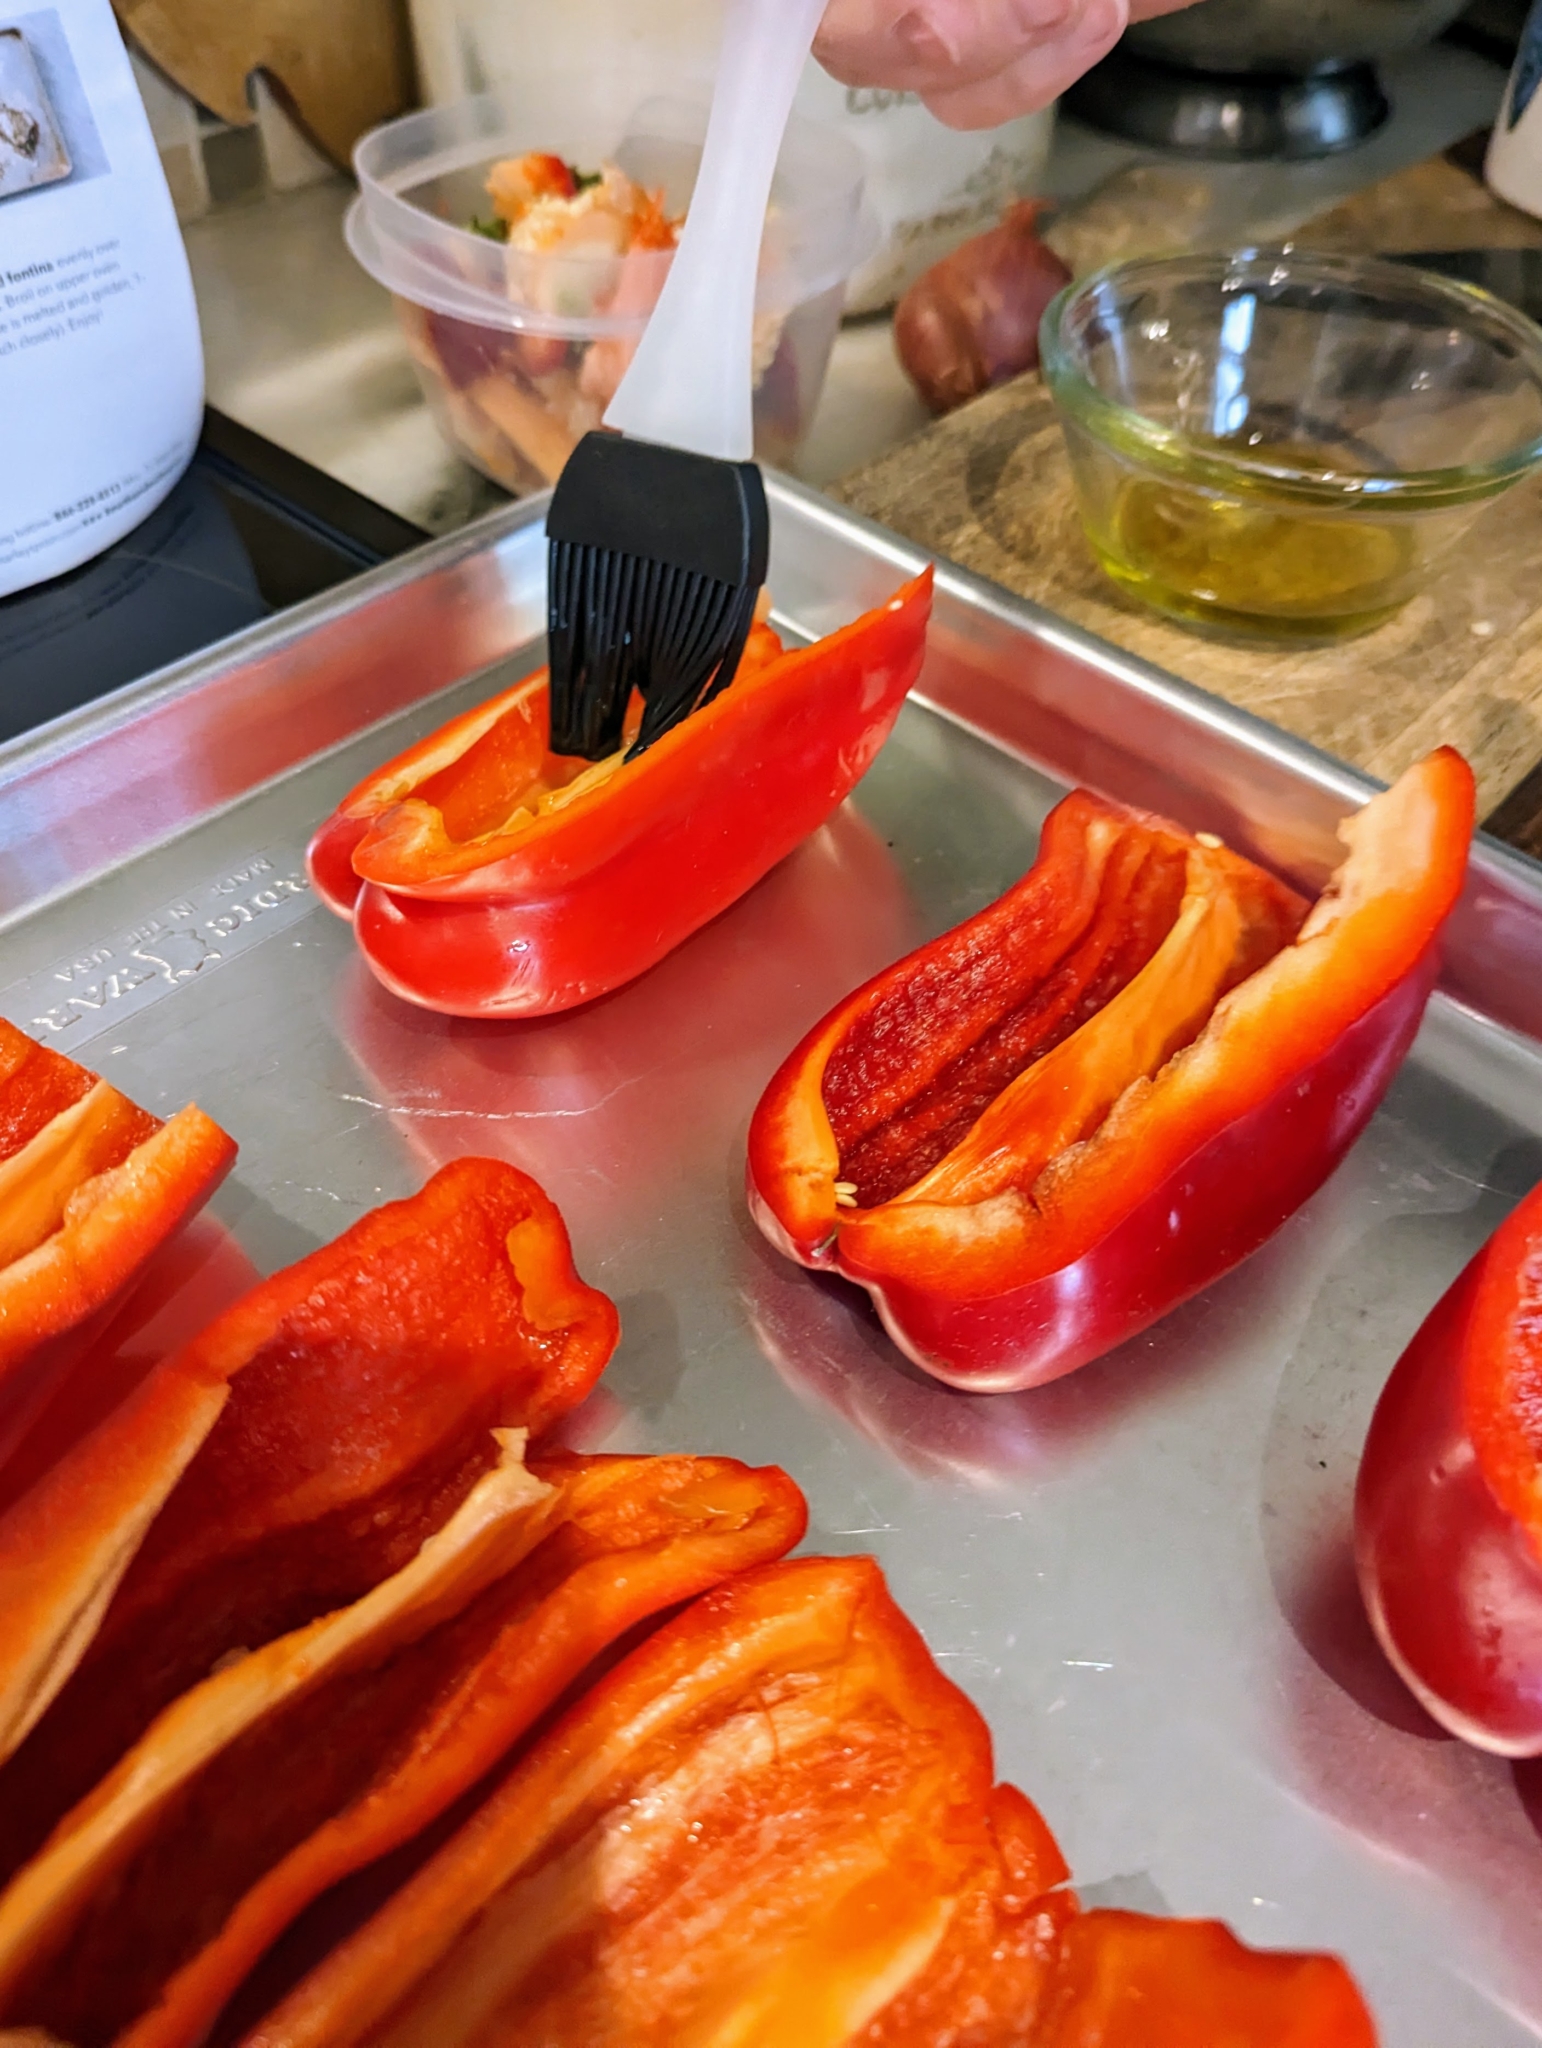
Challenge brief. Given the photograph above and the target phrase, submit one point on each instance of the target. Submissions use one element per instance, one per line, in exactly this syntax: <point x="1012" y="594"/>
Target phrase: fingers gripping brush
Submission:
<point x="658" y="538"/>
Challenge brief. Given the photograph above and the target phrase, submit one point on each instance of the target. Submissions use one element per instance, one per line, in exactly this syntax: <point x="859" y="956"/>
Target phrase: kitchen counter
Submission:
<point x="1460" y="663"/>
<point x="303" y="347"/>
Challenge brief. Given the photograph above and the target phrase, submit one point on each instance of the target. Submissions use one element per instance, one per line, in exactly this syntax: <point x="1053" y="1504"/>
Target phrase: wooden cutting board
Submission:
<point x="340" y="66"/>
<point x="990" y="488"/>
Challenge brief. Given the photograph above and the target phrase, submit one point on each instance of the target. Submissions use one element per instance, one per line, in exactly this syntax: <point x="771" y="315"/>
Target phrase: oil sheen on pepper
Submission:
<point x="1256" y="562"/>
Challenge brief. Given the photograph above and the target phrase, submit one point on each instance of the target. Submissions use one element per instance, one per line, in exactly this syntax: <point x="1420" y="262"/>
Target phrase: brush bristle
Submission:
<point x="622" y="622"/>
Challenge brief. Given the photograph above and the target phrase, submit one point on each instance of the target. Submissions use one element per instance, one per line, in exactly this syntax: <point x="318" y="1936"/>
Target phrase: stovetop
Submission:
<point x="249" y="530"/>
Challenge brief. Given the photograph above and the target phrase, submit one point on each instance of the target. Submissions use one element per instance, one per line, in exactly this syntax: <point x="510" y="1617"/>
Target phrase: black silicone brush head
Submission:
<point x="656" y="560"/>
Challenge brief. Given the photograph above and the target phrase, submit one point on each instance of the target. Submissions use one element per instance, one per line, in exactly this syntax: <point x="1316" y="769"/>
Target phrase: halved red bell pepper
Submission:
<point x="304" y="1447"/>
<point x="304" y="1762"/>
<point x="756" y="1827"/>
<point x="486" y="877"/>
<point x="1038" y="1134"/>
<point x="775" y="1822"/>
<point x="1128" y="1981"/>
<point x="1016" y="1971"/>
<point x="1448" y="1507"/>
<point x="90" y="1187"/>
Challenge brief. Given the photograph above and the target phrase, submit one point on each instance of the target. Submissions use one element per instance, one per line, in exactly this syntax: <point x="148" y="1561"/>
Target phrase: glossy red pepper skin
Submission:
<point x="459" y="910"/>
<point x="1191" y="1228"/>
<point x="1129" y="1981"/>
<point x="739" y="1832"/>
<point x="294" y="1454"/>
<point x="774" y="1822"/>
<point x="140" y="1919"/>
<point x="1448" y="1535"/>
<point x="1092" y="1243"/>
<point x="91" y="1187"/>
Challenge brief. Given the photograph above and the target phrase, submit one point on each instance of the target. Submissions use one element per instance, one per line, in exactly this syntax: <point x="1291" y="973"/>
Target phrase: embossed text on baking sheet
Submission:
<point x="112" y="979"/>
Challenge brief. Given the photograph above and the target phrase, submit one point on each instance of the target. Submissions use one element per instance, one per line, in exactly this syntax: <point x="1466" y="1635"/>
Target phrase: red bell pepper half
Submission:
<point x="488" y="877"/>
<point x="90" y="1187"/>
<point x="1038" y="1134"/>
<point x="286" y="1771"/>
<point x="1127" y="1981"/>
<point x="775" y="1822"/>
<point x="280" y="1465"/>
<point x="1448" y="1508"/>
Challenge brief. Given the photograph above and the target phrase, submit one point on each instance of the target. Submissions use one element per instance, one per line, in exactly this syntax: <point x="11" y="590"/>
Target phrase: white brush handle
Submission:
<point x="691" y="382"/>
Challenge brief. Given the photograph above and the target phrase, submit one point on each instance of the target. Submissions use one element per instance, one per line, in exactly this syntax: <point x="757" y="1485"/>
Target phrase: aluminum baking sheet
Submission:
<point x="1141" y="1574"/>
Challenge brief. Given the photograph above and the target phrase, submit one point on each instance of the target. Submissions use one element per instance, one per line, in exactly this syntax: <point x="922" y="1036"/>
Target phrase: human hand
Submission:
<point x="975" y="62"/>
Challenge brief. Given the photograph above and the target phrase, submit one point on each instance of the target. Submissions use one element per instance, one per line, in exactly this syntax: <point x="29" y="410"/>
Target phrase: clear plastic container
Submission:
<point x="519" y="354"/>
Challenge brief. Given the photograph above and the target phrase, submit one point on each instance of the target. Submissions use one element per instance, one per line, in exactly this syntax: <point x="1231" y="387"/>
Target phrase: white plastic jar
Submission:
<point x="1514" y="163"/>
<point x="101" y="368"/>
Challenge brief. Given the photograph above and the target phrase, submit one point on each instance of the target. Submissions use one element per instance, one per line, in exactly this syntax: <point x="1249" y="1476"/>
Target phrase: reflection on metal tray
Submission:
<point x="1141" y="1573"/>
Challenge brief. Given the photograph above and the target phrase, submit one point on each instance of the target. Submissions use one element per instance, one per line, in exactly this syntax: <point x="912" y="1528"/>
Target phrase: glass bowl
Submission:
<point x="1278" y="445"/>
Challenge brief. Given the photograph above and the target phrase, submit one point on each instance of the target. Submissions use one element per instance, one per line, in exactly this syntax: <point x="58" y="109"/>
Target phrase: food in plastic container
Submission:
<point x="520" y="338"/>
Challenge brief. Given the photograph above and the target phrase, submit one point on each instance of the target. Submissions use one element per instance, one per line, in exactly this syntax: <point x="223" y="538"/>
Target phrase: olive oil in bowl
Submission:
<point x="1248" y="564"/>
<point x="1280" y="444"/>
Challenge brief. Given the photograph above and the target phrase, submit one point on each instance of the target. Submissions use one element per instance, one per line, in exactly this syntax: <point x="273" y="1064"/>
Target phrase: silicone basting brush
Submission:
<point x="658" y="532"/>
